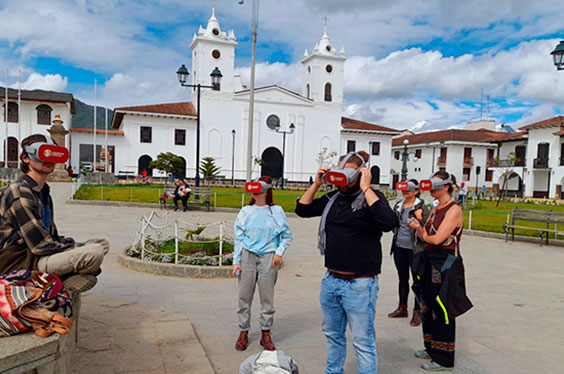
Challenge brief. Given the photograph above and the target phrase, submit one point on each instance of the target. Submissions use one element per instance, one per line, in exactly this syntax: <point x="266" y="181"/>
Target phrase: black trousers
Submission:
<point x="403" y="258"/>
<point x="438" y="329"/>
<point x="183" y="198"/>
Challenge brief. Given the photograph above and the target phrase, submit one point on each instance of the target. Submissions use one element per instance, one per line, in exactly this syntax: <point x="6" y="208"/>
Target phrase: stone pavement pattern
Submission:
<point x="516" y="326"/>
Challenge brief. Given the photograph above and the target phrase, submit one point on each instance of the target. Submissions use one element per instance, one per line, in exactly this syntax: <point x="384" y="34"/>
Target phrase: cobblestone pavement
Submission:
<point x="516" y="325"/>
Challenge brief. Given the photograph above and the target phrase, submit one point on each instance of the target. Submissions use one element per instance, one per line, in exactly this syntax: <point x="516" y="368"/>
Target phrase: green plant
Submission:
<point x="209" y="169"/>
<point x="169" y="163"/>
<point x="191" y="233"/>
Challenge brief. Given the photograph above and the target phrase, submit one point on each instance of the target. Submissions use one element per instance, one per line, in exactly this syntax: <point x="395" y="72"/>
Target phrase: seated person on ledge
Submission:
<point x="28" y="236"/>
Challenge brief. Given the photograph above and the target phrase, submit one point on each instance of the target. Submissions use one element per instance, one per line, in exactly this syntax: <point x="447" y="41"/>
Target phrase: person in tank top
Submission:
<point x="441" y="234"/>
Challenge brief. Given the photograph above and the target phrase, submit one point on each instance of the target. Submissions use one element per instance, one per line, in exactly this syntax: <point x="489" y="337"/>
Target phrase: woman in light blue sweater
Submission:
<point x="262" y="235"/>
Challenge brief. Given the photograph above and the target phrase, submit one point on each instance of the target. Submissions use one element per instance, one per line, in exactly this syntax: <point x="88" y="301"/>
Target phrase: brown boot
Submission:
<point x="400" y="312"/>
<point x="266" y="341"/>
<point x="416" y="318"/>
<point x="242" y="341"/>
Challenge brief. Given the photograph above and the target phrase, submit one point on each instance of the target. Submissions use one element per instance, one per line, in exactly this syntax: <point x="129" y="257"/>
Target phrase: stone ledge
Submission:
<point x="186" y="271"/>
<point x="30" y="354"/>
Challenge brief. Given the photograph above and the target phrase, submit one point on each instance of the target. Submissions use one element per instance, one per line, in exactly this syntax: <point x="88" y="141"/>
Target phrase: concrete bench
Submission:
<point x="31" y="354"/>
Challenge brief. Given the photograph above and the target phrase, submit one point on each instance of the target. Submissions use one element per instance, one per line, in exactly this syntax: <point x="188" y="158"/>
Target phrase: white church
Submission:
<point x="314" y="118"/>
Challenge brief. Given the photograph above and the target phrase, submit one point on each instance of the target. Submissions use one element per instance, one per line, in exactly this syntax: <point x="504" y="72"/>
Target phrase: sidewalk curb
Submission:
<point x="184" y="271"/>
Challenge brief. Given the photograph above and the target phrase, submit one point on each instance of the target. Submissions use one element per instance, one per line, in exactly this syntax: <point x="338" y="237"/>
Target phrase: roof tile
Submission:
<point x="353" y="124"/>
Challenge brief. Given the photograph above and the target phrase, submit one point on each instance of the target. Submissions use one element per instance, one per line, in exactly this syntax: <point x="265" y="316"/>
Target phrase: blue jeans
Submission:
<point x="353" y="302"/>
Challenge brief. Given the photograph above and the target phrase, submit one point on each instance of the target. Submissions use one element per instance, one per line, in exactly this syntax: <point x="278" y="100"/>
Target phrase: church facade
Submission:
<point x="312" y="119"/>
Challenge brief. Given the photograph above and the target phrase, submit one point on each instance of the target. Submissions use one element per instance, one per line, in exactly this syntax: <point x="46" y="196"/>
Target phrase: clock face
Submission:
<point x="273" y="122"/>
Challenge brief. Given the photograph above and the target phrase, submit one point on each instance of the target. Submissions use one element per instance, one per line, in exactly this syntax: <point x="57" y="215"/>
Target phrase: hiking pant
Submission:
<point x="83" y="259"/>
<point x="256" y="269"/>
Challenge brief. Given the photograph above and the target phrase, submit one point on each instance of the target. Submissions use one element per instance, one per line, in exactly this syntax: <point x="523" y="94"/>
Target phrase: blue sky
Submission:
<point x="411" y="64"/>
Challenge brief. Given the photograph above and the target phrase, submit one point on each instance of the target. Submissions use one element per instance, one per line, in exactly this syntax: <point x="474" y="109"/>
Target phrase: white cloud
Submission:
<point x="48" y="82"/>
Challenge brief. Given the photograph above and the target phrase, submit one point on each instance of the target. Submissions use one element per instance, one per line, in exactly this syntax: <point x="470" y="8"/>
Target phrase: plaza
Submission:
<point x="141" y="323"/>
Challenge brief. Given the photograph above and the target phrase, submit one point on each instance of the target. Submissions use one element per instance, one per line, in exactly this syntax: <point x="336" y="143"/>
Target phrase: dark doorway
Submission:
<point x="375" y="170"/>
<point x="12" y="152"/>
<point x="272" y="167"/>
<point x="395" y="180"/>
<point x="143" y="165"/>
<point x="183" y="172"/>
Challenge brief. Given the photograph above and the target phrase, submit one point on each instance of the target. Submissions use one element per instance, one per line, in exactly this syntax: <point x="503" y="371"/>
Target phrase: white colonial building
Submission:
<point x="315" y="114"/>
<point x="33" y="113"/>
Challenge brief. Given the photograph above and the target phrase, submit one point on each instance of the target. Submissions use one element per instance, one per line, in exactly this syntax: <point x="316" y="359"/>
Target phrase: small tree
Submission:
<point x="507" y="170"/>
<point x="209" y="169"/>
<point x="325" y="158"/>
<point x="257" y="162"/>
<point x="169" y="163"/>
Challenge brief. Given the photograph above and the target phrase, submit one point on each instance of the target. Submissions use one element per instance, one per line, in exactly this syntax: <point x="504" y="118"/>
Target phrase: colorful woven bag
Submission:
<point x="31" y="300"/>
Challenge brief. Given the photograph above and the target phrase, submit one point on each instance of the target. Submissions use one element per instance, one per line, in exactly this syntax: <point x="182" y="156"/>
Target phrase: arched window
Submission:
<point x="143" y="165"/>
<point x="307" y="91"/>
<point x="12" y="112"/>
<point x="328" y="92"/>
<point x="43" y="114"/>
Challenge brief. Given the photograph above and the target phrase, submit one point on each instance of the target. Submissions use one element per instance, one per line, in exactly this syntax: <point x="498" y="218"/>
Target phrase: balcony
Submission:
<point x="441" y="162"/>
<point x="540" y="163"/>
<point x="521" y="161"/>
<point x="491" y="163"/>
<point x="468" y="162"/>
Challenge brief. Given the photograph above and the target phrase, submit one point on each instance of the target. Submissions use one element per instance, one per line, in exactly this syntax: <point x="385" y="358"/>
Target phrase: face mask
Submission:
<point x="435" y="183"/>
<point x="47" y="152"/>
<point x="257" y="187"/>
<point x="343" y="176"/>
<point x="406" y="186"/>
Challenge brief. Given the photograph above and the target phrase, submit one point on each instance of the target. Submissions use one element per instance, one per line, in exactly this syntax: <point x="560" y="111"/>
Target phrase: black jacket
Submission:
<point x="353" y="238"/>
<point x="417" y="244"/>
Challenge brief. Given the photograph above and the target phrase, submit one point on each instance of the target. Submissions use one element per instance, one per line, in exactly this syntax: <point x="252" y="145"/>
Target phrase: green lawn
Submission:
<point x="487" y="217"/>
<point x="226" y="197"/>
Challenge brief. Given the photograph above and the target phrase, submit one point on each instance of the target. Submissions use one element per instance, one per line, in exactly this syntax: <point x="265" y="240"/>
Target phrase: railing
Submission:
<point x="441" y="161"/>
<point x="469" y="161"/>
<point x="520" y="162"/>
<point x="540" y="163"/>
<point x="168" y="229"/>
<point x="491" y="163"/>
<point x="75" y="187"/>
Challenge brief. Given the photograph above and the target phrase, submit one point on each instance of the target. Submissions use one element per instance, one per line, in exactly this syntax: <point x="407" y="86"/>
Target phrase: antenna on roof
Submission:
<point x="487" y="106"/>
<point x="481" y="104"/>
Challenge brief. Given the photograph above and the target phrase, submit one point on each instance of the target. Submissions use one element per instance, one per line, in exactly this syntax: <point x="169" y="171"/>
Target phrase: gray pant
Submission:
<point x="256" y="269"/>
<point x="84" y="259"/>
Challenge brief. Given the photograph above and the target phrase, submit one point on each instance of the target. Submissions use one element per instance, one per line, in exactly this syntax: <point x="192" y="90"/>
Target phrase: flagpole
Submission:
<point x="107" y="151"/>
<point x="6" y="123"/>
<point x="94" y="128"/>
<point x="19" y="113"/>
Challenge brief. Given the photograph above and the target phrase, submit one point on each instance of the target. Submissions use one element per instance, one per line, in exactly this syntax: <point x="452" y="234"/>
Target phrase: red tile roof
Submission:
<point x="181" y="109"/>
<point x="98" y="131"/>
<point x="353" y="124"/>
<point x="551" y="122"/>
<point x="474" y="136"/>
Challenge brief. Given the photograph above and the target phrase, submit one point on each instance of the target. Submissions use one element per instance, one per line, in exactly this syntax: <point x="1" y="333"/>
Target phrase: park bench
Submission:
<point x="166" y="194"/>
<point x="548" y="217"/>
<point x="200" y="195"/>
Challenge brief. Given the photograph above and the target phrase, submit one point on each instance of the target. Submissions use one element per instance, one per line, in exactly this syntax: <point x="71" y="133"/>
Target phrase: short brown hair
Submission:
<point x="35" y="138"/>
<point x="355" y="159"/>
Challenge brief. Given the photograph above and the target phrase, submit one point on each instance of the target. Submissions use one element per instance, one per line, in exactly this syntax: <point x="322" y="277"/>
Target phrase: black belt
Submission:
<point x="348" y="277"/>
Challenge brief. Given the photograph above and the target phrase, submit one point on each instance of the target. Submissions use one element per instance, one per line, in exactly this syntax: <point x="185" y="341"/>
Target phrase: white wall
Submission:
<point x="383" y="160"/>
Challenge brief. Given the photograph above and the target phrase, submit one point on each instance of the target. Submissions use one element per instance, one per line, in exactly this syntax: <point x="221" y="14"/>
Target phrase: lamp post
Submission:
<point x="233" y="132"/>
<point x="284" y="132"/>
<point x="404" y="158"/>
<point x="215" y="75"/>
<point x="255" y="12"/>
<point x="558" y="56"/>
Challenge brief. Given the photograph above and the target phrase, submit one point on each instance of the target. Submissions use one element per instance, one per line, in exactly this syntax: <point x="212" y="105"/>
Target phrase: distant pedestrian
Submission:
<point x="404" y="244"/>
<point x="462" y="192"/>
<point x="483" y="191"/>
<point x="262" y="236"/>
<point x="443" y="293"/>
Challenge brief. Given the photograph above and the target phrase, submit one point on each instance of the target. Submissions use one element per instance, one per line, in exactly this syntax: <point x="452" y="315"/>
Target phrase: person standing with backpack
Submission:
<point x="262" y="236"/>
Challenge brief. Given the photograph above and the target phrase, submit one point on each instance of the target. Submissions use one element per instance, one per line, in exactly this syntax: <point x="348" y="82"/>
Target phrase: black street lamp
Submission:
<point x="404" y="158"/>
<point x="284" y="132"/>
<point x="233" y="132"/>
<point x="558" y="56"/>
<point x="183" y="74"/>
